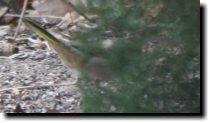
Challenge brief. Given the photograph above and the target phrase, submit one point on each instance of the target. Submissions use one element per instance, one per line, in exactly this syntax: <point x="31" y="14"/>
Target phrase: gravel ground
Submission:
<point x="37" y="82"/>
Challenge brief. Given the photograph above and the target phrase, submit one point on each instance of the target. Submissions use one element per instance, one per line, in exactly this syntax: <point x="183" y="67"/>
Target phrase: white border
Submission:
<point x="206" y="3"/>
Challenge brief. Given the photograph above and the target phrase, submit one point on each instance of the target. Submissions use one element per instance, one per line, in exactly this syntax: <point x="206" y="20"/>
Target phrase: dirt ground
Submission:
<point x="35" y="81"/>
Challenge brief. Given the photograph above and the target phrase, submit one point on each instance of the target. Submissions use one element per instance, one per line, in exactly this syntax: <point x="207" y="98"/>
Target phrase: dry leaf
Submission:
<point x="3" y="11"/>
<point x="51" y="8"/>
<point x="58" y="8"/>
<point x="68" y="19"/>
<point x="5" y="19"/>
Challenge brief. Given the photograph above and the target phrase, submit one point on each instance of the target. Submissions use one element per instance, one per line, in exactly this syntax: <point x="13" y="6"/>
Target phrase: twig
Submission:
<point x="36" y="86"/>
<point x="80" y="13"/>
<point x="21" y="18"/>
<point x="34" y="16"/>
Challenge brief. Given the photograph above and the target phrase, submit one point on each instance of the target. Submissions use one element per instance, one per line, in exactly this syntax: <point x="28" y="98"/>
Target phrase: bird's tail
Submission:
<point x="70" y="55"/>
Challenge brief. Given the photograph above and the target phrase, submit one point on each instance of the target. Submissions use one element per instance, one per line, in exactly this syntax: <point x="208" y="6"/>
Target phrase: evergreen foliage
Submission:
<point x="154" y="61"/>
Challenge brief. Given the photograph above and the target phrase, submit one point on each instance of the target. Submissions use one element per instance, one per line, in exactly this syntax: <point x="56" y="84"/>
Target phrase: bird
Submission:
<point x="94" y="66"/>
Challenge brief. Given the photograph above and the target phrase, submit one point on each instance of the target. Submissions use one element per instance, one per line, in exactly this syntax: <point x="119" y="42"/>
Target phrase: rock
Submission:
<point x="26" y="97"/>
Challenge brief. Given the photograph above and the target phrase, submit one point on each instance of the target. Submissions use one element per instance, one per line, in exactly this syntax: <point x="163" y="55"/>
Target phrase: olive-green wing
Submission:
<point x="40" y="31"/>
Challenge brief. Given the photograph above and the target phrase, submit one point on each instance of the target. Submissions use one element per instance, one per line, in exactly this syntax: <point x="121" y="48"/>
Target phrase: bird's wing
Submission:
<point x="49" y="37"/>
<point x="39" y="30"/>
